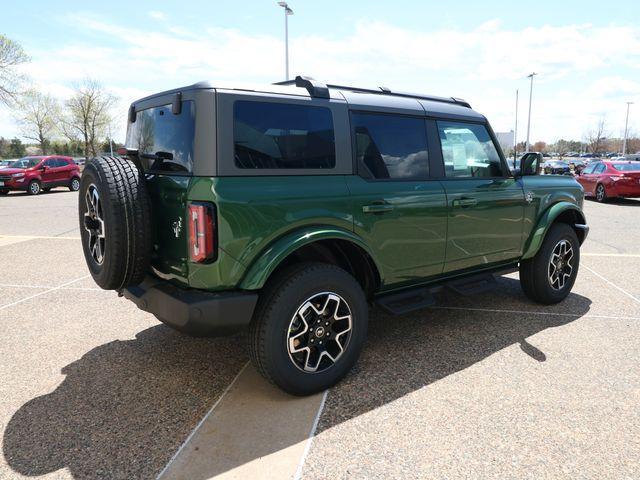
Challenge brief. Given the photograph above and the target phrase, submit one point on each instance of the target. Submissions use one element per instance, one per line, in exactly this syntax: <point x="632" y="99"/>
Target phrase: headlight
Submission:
<point x="17" y="175"/>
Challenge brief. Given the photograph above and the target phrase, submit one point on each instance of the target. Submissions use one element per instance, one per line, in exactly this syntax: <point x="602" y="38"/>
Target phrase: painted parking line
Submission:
<point x="620" y="289"/>
<point x="37" y="237"/>
<point x="59" y="287"/>
<point x="531" y="312"/>
<point x="253" y="431"/>
<point x="82" y="289"/>
<point x="622" y="255"/>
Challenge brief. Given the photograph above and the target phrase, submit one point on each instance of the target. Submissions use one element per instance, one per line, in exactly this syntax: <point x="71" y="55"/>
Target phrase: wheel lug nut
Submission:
<point x="327" y="323"/>
<point x="320" y="342"/>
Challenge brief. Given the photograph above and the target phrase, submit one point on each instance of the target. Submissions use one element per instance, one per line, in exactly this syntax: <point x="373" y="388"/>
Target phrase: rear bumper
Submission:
<point x="196" y="312"/>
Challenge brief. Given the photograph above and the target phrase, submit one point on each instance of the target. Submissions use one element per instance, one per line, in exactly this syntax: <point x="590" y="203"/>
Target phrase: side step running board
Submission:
<point x="421" y="297"/>
<point x="473" y="285"/>
<point x="407" y="301"/>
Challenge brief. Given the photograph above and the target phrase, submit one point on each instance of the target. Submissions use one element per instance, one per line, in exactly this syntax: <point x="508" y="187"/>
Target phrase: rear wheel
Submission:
<point x="4" y="192"/>
<point x="34" y="187"/>
<point x="548" y="277"/>
<point x="309" y="328"/>
<point x="601" y="193"/>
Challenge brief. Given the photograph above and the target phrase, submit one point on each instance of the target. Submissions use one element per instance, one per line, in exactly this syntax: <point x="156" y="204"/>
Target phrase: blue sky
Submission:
<point x="587" y="53"/>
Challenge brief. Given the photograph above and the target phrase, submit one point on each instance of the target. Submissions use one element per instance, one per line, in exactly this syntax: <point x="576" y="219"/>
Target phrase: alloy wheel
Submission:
<point x="34" y="188"/>
<point x="560" y="264"/>
<point x="319" y="332"/>
<point x="75" y="184"/>
<point x="94" y="224"/>
<point x="600" y="193"/>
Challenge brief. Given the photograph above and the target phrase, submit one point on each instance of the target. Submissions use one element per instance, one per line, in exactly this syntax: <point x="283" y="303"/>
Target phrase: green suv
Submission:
<point x="293" y="208"/>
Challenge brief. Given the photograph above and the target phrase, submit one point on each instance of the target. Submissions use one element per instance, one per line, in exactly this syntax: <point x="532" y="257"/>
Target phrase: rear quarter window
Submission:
<point x="283" y="136"/>
<point x="164" y="141"/>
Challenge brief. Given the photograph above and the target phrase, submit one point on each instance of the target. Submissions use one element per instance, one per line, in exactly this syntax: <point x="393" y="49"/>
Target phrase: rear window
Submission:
<point x="283" y="136"/>
<point x="627" y="167"/>
<point x="164" y="141"/>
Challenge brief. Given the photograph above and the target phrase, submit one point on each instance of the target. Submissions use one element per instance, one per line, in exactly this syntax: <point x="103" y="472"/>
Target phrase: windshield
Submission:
<point x="25" y="163"/>
<point x="627" y="167"/>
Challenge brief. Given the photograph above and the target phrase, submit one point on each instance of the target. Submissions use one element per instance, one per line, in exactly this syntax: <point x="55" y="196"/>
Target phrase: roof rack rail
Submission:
<point x="311" y="85"/>
<point x="315" y="88"/>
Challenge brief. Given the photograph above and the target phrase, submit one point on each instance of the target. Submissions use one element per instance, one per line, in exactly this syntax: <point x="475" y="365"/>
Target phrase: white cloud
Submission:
<point x="585" y="71"/>
<point x="157" y="15"/>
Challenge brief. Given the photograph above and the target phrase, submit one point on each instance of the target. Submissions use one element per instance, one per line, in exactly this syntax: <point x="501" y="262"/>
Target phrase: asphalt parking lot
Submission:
<point x="490" y="386"/>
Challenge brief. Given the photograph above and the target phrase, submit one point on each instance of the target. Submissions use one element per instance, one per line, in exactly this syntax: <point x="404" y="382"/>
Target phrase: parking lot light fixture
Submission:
<point x="531" y="75"/>
<point x="626" y="130"/>
<point x="287" y="12"/>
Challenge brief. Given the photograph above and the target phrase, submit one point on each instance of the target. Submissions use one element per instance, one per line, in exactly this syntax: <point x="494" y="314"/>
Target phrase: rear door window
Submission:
<point x="468" y="151"/>
<point x="164" y="141"/>
<point x="283" y="136"/>
<point x="391" y="147"/>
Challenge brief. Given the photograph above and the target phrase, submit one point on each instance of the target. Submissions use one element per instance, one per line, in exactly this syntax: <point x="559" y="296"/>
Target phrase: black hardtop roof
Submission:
<point x="308" y="87"/>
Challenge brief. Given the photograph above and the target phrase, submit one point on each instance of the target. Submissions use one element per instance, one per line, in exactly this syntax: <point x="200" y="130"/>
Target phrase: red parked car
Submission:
<point x="610" y="179"/>
<point x="35" y="174"/>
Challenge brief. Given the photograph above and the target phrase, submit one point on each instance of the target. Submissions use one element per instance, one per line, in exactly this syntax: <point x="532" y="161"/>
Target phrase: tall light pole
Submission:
<point x="626" y="130"/>
<point x="515" y="132"/>
<point x="287" y="12"/>
<point x="531" y="75"/>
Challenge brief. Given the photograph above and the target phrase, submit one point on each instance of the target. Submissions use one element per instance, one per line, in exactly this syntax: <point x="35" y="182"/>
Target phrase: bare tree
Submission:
<point x="11" y="81"/>
<point x="38" y="115"/>
<point x="88" y="115"/>
<point x="597" y="138"/>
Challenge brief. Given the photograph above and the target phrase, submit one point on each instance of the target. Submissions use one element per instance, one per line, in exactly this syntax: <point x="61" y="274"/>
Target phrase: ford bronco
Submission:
<point x="290" y="209"/>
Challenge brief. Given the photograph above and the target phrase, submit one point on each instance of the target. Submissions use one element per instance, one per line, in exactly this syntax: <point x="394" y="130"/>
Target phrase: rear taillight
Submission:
<point x="202" y="232"/>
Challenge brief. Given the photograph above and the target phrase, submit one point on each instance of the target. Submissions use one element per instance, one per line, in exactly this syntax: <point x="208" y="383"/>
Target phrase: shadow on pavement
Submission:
<point x="125" y="407"/>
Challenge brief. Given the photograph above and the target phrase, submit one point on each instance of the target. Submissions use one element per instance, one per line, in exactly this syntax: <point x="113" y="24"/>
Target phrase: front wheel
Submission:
<point x="34" y="187"/>
<point x="309" y="328"/>
<point x="74" y="185"/>
<point x="548" y="277"/>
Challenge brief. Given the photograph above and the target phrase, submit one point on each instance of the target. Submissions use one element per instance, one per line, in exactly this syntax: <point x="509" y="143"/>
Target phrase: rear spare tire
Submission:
<point x="115" y="222"/>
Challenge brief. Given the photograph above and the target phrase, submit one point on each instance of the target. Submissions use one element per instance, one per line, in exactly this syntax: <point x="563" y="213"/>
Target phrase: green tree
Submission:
<point x="16" y="148"/>
<point x="38" y="114"/>
<point x="88" y="115"/>
<point x="11" y="81"/>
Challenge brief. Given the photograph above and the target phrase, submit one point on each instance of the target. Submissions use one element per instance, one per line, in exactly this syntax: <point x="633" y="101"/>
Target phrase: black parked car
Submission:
<point x="556" y="167"/>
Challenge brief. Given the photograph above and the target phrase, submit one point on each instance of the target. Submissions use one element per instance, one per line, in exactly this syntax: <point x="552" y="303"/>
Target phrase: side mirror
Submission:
<point x="530" y="164"/>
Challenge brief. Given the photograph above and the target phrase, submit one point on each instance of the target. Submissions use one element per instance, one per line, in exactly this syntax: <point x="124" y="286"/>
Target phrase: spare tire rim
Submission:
<point x="319" y="332"/>
<point x="94" y="224"/>
<point x="560" y="264"/>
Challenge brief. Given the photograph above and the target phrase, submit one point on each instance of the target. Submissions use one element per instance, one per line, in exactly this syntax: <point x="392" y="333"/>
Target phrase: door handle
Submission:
<point x="464" y="202"/>
<point x="377" y="208"/>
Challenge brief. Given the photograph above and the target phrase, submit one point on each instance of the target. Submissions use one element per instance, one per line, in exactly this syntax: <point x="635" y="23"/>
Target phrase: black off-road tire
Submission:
<point x="34" y="187"/>
<point x="534" y="272"/>
<point x="126" y="215"/>
<point x="279" y="302"/>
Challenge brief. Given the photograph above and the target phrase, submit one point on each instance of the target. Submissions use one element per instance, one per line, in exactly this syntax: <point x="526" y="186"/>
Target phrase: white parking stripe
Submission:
<point x="526" y="312"/>
<point x="204" y="419"/>
<point x="2" y="307"/>
<point x="623" y="255"/>
<point x="620" y="289"/>
<point x="90" y="289"/>
<point x="38" y="237"/>
<point x="312" y="434"/>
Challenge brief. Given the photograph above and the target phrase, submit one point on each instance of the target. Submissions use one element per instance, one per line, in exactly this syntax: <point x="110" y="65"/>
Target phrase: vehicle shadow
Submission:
<point x="126" y="406"/>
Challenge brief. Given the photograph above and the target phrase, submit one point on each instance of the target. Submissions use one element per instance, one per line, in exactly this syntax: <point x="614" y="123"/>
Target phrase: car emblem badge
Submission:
<point x="177" y="227"/>
<point x="528" y="197"/>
